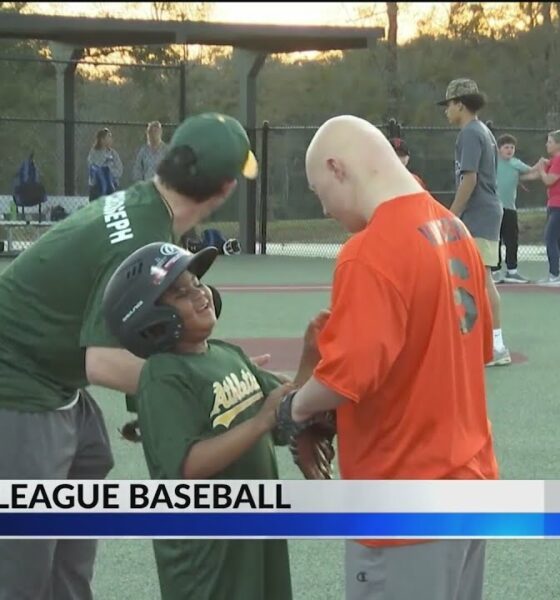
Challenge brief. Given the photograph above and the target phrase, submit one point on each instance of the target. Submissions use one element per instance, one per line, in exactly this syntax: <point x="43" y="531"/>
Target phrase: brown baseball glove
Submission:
<point x="312" y="448"/>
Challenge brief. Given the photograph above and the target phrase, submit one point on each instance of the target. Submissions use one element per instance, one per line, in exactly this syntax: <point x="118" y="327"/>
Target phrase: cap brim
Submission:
<point x="202" y="261"/>
<point x="443" y="102"/>
<point x="250" y="169"/>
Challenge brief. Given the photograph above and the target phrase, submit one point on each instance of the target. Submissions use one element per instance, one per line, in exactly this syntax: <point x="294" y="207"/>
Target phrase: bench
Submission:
<point x="18" y="243"/>
<point x="19" y="233"/>
<point x="69" y="203"/>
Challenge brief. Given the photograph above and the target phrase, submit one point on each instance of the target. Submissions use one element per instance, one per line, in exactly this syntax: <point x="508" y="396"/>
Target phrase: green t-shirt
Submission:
<point x="181" y="400"/>
<point x="508" y="180"/>
<point x="50" y="296"/>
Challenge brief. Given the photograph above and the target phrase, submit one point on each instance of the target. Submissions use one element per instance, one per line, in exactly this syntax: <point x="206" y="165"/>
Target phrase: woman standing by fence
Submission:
<point x="105" y="167"/>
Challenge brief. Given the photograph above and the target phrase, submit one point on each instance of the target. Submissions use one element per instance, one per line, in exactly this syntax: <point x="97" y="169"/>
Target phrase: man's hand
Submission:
<point x="282" y="378"/>
<point x="261" y="360"/>
<point x="464" y="193"/>
<point x="542" y="165"/>
<point x="267" y="414"/>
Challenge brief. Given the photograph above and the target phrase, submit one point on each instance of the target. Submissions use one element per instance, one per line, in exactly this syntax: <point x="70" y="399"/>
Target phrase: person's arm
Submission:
<point x="106" y="363"/>
<point x="208" y="457"/>
<point x="118" y="369"/>
<point x="548" y="178"/>
<point x="470" y="152"/>
<point x="178" y="431"/>
<point x="528" y="173"/>
<point x="312" y="398"/>
<point x="113" y="368"/>
<point x="463" y="193"/>
<point x="310" y="355"/>
<point x="308" y="361"/>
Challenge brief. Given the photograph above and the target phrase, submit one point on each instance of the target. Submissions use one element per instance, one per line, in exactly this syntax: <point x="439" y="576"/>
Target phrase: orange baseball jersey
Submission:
<point x="407" y="340"/>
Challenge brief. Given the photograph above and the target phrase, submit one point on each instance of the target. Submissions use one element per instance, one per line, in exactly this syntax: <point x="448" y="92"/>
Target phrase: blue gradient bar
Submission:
<point x="280" y="525"/>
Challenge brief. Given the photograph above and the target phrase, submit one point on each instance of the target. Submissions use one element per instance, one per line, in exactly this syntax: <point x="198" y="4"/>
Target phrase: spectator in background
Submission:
<point x="105" y="167"/>
<point x="401" y="148"/>
<point x="476" y="200"/>
<point x="150" y="154"/>
<point x="510" y="171"/>
<point x="549" y="172"/>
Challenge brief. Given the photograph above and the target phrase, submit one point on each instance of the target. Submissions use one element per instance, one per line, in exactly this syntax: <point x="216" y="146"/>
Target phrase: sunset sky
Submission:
<point x="302" y="13"/>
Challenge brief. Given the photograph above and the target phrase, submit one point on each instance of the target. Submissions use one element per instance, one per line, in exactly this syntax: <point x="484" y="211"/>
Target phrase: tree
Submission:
<point x="392" y="74"/>
<point x="12" y="6"/>
<point x="475" y="21"/>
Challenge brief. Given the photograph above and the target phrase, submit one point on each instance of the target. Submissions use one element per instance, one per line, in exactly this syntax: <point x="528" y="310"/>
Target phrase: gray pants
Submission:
<point x="66" y="444"/>
<point x="444" y="570"/>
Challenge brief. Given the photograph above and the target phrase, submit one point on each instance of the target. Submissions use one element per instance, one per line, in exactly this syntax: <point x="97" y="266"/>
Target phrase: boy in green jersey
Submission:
<point x="205" y="411"/>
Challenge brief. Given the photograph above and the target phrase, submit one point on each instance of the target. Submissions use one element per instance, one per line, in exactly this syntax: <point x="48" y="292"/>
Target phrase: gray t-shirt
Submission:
<point x="476" y="151"/>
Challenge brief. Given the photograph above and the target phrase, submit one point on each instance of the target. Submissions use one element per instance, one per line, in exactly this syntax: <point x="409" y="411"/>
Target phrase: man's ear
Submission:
<point x="336" y="168"/>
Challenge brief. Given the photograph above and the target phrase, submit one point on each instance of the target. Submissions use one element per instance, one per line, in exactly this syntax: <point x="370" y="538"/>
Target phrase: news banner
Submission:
<point x="290" y="509"/>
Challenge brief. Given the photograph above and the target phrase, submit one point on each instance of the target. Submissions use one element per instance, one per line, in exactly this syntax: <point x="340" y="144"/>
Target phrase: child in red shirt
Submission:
<point x="549" y="171"/>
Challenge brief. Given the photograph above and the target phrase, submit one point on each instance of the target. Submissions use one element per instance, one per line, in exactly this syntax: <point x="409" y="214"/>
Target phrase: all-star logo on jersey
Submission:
<point x="232" y="396"/>
<point x="116" y="218"/>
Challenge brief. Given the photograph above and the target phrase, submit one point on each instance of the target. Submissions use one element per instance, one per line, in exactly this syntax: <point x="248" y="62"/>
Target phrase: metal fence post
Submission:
<point x="264" y="186"/>
<point x="182" y="91"/>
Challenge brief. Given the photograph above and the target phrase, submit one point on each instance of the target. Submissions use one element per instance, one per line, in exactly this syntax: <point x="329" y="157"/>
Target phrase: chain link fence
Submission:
<point x="291" y="219"/>
<point x="122" y="97"/>
<point x="125" y="97"/>
<point x="21" y="227"/>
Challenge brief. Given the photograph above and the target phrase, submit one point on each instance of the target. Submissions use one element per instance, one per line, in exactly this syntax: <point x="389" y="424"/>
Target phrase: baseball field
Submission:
<point x="268" y="301"/>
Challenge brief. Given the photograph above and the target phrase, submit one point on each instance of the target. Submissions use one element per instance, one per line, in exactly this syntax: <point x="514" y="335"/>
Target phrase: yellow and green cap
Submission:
<point x="220" y="145"/>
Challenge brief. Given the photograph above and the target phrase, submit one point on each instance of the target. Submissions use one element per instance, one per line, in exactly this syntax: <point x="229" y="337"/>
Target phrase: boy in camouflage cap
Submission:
<point x="476" y="200"/>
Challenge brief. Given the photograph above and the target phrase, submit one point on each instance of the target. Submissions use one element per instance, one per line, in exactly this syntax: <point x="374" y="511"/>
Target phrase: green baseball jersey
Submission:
<point x="50" y="295"/>
<point x="183" y="399"/>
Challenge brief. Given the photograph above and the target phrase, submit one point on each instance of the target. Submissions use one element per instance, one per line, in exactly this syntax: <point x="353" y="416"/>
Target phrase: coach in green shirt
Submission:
<point x="54" y="341"/>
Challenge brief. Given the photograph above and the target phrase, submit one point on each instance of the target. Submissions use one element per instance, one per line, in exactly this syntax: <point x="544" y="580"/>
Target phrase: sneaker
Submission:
<point x="501" y="358"/>
<point x="553" y="280"/>
<point x="515" y="278"/>
<point x="498" y="277"/>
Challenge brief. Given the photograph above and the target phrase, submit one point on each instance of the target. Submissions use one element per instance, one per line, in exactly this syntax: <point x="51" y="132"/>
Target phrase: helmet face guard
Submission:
<point x="131" y="302"/>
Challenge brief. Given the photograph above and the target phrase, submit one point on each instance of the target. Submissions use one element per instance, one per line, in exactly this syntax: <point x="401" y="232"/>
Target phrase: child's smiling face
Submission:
<point x="193" y="302"/>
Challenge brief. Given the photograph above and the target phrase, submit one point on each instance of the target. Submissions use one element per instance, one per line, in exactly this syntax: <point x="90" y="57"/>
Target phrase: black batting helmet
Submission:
<point x="130" y="306"/>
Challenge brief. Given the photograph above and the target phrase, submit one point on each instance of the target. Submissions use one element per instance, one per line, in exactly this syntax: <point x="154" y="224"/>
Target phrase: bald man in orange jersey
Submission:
<point x="402" y="355"/>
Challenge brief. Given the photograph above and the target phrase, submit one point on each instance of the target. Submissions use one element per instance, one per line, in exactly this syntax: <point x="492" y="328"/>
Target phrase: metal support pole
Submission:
<point x="65" y="113"/>
<point x="248" y="64"/>
<point x="182" y="91"/>
<point x="264" y="186"/>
